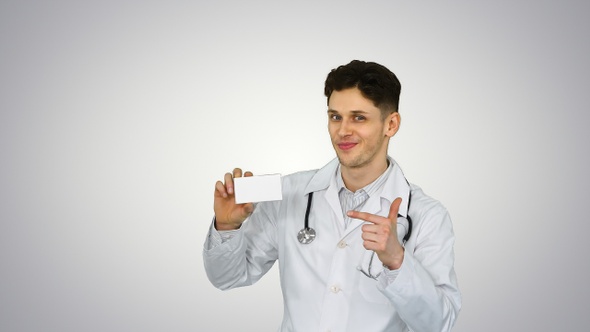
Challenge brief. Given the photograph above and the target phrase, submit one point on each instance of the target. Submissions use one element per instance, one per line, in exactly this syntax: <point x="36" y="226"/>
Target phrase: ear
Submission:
<point x="392" y="123"/>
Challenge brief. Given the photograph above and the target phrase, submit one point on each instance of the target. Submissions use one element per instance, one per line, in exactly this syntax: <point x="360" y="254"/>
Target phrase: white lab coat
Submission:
<point x="323" y="289"/>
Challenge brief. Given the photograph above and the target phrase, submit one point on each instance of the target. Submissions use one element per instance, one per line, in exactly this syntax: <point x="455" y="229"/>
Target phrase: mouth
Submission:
<point x="346" y="146"/>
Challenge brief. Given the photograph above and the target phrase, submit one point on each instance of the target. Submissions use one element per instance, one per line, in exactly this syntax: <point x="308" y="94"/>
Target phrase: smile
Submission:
<point x="346" y="146"/>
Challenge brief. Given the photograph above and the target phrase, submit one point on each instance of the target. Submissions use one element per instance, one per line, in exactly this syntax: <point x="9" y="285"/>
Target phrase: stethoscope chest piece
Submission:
<point x="306" y="235"/>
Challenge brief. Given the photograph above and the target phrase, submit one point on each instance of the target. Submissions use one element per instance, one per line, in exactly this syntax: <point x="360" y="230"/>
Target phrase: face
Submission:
<point x="359" y="134"/>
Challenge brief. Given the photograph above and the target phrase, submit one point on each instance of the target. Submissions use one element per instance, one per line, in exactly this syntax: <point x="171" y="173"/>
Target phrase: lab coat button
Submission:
<point x="334" y="289"/>
<point x="342" y="244"/>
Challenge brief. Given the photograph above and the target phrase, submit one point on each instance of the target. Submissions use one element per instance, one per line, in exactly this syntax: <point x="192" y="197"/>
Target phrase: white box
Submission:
<point x="258" y="188"/>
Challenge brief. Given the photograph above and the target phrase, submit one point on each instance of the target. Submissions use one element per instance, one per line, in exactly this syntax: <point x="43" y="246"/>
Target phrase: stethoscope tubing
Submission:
<point x="308" y="210"/>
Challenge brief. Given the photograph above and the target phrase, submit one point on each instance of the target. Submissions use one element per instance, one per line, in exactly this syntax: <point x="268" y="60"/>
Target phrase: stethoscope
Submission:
<point x="307" y="234"/>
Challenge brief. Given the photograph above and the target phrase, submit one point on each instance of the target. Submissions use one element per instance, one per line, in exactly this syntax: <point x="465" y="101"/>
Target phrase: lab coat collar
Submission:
<point x="322" y="178"/>
<point x="395" y="186"/>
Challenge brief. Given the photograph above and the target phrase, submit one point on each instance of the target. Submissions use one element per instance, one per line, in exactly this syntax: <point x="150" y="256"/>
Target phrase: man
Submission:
<point x="380" y="256"/>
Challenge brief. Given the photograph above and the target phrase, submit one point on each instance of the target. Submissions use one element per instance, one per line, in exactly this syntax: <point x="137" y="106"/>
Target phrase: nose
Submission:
<point x="345" y="128"/>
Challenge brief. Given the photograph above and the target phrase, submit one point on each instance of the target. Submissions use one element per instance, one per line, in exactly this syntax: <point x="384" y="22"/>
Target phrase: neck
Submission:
<point x="356" y="178"/>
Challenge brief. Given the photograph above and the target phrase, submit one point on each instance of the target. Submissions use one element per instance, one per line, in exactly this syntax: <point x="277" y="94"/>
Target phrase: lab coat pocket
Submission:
<point x="370" y="269"/>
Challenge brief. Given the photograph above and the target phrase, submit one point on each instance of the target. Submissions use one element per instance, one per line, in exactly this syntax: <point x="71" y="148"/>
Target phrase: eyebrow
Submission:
<point x="353" y="112"/>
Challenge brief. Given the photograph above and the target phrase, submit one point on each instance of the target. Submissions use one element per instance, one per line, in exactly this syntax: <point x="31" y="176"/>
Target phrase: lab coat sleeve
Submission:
<point x="425" y="292"/>
<point x="248" y="255"/>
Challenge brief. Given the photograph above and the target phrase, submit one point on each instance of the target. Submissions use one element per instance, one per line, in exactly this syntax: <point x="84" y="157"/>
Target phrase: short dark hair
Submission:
<point x="376" y="83"/>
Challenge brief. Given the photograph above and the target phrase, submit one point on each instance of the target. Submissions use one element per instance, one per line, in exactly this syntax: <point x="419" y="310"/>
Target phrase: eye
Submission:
<point x="335" y="117"/>
<point x="360" y="118"/>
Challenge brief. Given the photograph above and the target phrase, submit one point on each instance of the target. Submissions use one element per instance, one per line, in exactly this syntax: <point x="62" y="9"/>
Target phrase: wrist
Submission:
<point x="225" y="226"/>
<point x="395" y="262"/>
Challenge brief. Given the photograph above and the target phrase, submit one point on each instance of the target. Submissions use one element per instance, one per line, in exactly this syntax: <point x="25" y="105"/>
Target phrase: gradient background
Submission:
<point x="117" y="117"/>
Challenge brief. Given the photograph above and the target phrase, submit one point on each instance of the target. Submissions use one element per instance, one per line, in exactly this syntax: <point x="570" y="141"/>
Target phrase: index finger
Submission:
<point x="229" y="183"/>
<point x="375" y="219"/>
<point x="372" y="218"/>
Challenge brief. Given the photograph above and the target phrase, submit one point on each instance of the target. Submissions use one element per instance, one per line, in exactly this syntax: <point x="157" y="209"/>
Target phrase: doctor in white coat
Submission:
<point x="382" y="257"/>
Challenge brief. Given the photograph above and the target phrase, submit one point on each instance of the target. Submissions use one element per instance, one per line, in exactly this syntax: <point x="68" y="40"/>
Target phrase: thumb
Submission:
<point x="248" y="208"/>
<point x="393" y="210"/>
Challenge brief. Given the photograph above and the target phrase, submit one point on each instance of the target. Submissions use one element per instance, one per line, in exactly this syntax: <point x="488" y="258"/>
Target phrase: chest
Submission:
<point x="337" y="248"/>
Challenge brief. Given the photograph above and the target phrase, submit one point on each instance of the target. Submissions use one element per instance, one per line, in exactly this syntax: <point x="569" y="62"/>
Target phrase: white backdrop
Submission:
<point x="117" y="117"/>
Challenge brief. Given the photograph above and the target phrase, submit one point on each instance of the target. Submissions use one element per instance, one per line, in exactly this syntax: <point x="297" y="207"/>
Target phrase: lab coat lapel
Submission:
<point x="324" y="179"/>
<point x="334" y="201"/>
<point x="397" y="186"/>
